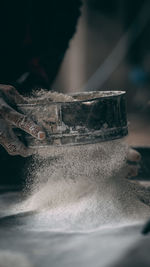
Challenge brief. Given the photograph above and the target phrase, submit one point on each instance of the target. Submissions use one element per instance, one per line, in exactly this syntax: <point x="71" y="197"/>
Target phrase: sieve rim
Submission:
<point x="102" y="95"/>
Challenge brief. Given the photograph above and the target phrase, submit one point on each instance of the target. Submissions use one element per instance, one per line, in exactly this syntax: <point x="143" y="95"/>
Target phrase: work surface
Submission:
<point x="23" y="244"/>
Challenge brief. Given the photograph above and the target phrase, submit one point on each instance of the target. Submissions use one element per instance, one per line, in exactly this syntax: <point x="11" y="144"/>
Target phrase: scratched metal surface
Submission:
<point x="92" y="117"/>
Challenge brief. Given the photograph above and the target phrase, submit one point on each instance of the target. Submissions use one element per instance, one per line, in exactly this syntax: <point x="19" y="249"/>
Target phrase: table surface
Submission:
<point x="44" y="247"/>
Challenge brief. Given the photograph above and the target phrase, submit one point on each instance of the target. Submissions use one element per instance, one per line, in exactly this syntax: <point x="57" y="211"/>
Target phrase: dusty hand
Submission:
<point x="10" y="117"/>
<point x="133" y="158"/>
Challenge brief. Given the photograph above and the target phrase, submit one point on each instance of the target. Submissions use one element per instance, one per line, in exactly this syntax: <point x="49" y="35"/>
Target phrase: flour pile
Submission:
<point x="83" y="187"/>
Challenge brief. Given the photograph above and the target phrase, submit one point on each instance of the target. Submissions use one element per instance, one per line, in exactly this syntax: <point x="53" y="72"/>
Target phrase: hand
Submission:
<point x="10" y="117"/>
<point x="133" y="158"/>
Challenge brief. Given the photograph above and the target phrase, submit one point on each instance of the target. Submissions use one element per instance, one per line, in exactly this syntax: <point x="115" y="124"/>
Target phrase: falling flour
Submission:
<point x="80" y="188"/>
<point x="13" y="258"/>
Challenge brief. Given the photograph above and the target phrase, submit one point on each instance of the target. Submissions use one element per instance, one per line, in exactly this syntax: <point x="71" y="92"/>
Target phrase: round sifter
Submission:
<point x="89" y="117"/>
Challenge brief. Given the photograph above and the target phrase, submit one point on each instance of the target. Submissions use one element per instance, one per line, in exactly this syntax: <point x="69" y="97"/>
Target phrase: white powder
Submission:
<point x="80" y="188"/>
<point x="13" y="258"/>
<point x="48" y="96"/>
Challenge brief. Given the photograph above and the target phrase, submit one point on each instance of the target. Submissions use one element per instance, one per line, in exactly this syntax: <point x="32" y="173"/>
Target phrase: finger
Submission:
<point x="10" y="94"/>
<point x="133" y="155"/>
<point x="10" y="141"/>
<point x="132" y="171"/>
<point x="14" y="147"/>
<point x="21" y="121"/>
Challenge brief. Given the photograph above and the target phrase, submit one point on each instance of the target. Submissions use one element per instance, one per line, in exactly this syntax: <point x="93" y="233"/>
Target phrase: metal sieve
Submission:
<point x="91" y="117"/>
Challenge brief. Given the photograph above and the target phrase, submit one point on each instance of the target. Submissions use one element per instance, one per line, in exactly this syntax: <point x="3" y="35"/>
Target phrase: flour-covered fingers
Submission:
<point x="10" y="141"/>
<point x="133" y="160"/>
<point x="133" y="155"/>
<point x="132" y="171"/>
<point x="23" y="122"/>
<point x="20" y="121"/>
<point x="9" y="98"/>
<point x="11" y="95"/>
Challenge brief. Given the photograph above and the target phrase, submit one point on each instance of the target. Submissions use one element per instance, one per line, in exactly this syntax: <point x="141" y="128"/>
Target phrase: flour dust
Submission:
<point x="80" y="188"/>
<point x="12" y="258"/>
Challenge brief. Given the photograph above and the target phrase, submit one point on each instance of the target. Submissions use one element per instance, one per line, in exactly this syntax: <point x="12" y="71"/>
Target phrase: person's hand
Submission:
<point x="133" y="159"/>
<point x="10" y="117"/>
